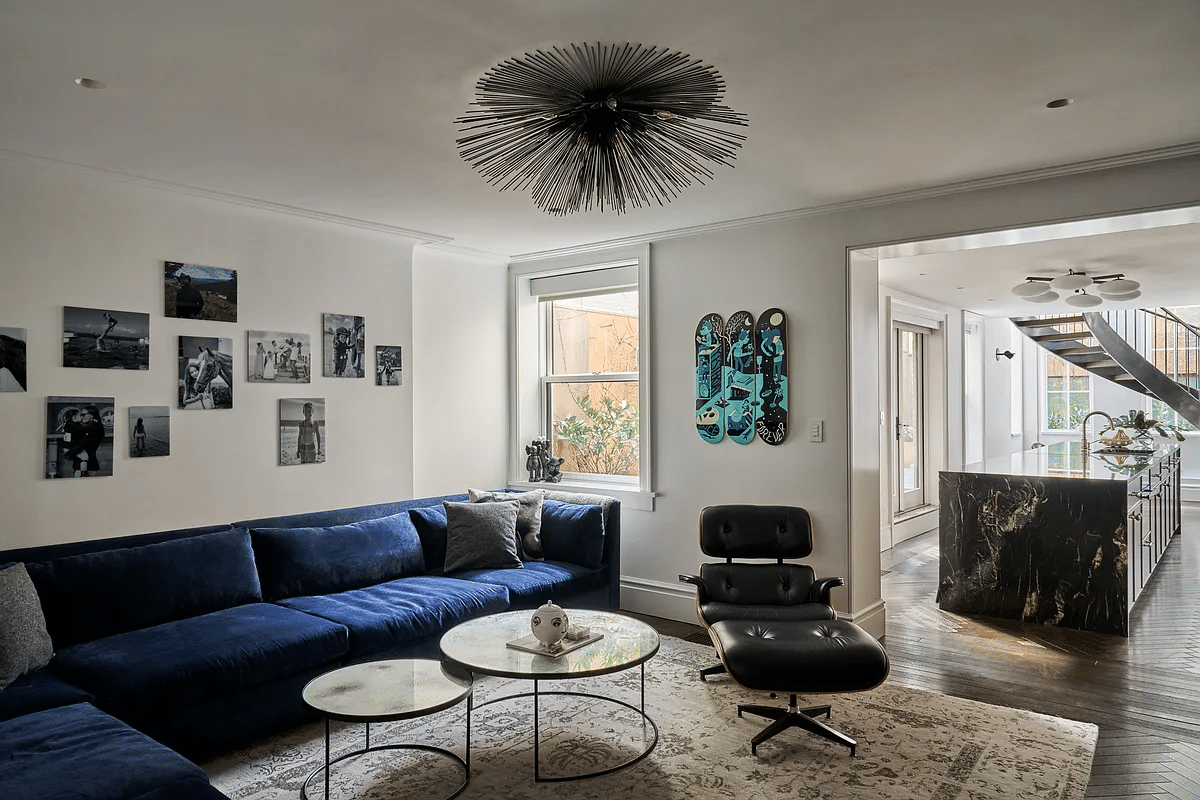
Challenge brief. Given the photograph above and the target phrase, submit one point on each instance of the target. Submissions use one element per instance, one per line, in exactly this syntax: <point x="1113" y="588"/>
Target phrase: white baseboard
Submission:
<point x="678" y="602"/>
<point x="872" y="619"/>
<point x="1189" y="491"/>
<point x="675" y="601"/>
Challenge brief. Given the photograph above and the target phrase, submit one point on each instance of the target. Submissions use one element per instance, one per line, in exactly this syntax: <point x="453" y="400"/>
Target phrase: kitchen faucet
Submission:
<point x="1083" y="428"/>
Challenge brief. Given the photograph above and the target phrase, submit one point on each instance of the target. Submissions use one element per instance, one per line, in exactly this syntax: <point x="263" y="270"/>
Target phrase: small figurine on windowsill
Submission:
<point x="553" y="469"/>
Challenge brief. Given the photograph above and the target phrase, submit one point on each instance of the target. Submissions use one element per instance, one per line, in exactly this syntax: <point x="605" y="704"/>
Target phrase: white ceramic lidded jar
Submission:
<point x="549" y="625"/>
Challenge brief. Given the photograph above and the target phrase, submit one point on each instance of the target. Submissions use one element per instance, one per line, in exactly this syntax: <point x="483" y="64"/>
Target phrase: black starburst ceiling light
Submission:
<point x="599" y="126"/>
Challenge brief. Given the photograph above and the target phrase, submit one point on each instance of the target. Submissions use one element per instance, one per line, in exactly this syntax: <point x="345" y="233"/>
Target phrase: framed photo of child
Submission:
<point x="302" y="435"/>
<point x="149" y="431"/>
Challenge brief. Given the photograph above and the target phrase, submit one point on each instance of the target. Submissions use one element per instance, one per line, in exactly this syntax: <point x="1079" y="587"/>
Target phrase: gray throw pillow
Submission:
<point x="481" y="536"/>
<point x="529" y="518"/>
<point x="24" y="643"/>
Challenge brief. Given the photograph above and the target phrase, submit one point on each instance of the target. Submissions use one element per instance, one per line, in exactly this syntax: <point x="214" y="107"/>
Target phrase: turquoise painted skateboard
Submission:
<point x="740" y="371"/>
<point x="710" y="368"/>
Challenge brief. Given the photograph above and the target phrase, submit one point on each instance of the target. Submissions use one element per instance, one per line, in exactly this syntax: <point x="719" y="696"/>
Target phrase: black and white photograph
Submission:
<point x="205" y="373"/>
<point x="345" y="346"/>
<point x="301" y="430"/>
<point x="194" y="291"/>
<point x="276" y="357"/>
<point x="149" y="431"/>
<point x="12" y="360"/>
<point x="100" y="338"/>
<point x="79" y="437"/>
<point x="388" y="366"/>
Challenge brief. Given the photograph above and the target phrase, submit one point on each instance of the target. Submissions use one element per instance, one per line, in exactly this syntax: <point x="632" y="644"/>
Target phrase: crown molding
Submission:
<point x="976" y="184"/>
<point x="419" y="237"/>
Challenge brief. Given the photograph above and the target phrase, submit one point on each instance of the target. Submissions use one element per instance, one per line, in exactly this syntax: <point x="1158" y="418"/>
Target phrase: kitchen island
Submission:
<point x="1056" y="536"/>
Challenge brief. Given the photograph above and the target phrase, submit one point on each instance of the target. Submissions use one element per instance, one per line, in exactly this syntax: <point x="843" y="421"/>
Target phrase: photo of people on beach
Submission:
<point x="198" y="292"/>
<point x="99" y="338"/>
<point x="149" y="431"/>
<point x="301" y="430"/>
<point x="79" y="437"/>
<point x="275" y="357"/>
<point x="12" y="360"/>
<point x="205" y="373"/>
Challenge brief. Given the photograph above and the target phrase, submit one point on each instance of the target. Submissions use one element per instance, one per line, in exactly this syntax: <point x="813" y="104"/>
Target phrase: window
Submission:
<point x="580" y="340"/>
<point x="1068" y="394"/>
<point x="1175" y="350"/>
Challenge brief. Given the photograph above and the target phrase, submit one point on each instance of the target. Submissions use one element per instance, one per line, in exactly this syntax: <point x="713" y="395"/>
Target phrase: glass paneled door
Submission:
<point x="909" y="410"/>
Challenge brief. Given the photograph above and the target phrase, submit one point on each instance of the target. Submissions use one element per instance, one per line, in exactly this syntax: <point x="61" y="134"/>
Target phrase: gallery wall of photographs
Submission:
<point x="81" y="438"/>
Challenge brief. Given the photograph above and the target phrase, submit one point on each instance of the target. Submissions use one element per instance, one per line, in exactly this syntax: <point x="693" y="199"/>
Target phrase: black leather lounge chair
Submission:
<point x="773" y="625"/>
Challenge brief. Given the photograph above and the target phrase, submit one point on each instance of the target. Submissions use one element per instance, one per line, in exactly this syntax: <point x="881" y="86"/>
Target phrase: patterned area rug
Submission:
<point x="911" y="744"/>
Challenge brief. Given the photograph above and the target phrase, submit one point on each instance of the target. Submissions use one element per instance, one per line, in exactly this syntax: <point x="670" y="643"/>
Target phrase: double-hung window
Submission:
<point x="580" y="346"/>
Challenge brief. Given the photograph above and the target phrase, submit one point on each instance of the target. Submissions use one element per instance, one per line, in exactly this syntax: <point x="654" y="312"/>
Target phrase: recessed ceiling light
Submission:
<point x="1061" y="102"/>
<point x="89" y="83"/>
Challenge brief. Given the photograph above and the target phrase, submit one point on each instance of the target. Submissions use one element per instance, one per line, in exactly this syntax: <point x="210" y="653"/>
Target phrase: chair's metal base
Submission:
<point x="794" y="717"/>
<point x="719" y="669"/>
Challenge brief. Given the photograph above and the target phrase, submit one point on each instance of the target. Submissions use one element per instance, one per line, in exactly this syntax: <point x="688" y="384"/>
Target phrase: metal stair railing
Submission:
<point x="1125" y="352"/>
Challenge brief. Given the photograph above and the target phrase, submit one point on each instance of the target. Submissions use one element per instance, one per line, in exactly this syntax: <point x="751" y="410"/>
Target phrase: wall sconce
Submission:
<point x="1004" y="354"/>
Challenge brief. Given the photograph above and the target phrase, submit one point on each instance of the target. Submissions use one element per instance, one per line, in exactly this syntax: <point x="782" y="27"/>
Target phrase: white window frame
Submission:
<point x="529" y="357"/>
<point x="1044" y="396"/>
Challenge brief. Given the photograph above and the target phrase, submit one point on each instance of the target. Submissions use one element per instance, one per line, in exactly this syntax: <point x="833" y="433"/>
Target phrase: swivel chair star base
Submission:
<point x="795" y="717"/>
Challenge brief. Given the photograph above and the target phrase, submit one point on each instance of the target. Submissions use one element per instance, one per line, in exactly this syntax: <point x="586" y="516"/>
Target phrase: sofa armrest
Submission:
<point x="819" y="591"/>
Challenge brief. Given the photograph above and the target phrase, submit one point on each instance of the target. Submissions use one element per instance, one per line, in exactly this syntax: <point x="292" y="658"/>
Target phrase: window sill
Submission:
<point x="635" y="499"/>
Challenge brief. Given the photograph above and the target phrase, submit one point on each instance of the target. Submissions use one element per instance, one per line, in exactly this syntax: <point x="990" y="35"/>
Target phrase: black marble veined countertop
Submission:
<point x="1065" y="460"/>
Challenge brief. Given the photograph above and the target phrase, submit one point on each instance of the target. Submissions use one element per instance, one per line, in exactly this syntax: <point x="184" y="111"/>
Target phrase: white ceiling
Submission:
<point x="347" y="108"/>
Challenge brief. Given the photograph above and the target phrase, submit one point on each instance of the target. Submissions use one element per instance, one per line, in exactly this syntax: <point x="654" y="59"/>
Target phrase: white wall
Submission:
<point x="461" y="372"/>
<point x="799" y="264"/>
<point x="71" y="239"/>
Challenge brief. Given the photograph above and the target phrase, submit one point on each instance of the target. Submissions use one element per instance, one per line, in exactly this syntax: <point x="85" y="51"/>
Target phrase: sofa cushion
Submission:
<point x="538" y="582"/>
<point x="430" y="522"/>
<point x="78" y="751"/>
<point x="573" y="533"/>
<point x="403" y="611"/>
<point x="93" y="595"/>
<point x="24" y="643"/>
<point x="481" y="536"/>
<point x="181" y="663"/>
<point x="38" y="691"/>
<point x="323" y="560"/>
<point x="529" y="518"/>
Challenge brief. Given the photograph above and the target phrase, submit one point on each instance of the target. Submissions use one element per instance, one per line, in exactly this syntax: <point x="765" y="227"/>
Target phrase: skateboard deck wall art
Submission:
<point x="710" y="368"/>
<point x="771" y="413"/>
<point x="740" y="370"/>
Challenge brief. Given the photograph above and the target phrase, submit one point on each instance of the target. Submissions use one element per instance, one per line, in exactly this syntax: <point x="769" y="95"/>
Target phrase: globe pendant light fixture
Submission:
<point x="599" y="126"/>
<point x="1035" y="289"/>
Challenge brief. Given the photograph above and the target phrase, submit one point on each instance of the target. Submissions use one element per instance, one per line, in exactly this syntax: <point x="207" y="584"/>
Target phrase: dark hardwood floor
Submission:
<point x="1142" y="691"/>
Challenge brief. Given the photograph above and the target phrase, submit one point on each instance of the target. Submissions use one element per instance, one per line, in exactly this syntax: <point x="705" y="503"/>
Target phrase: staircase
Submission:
<point x="1151" y="351"/>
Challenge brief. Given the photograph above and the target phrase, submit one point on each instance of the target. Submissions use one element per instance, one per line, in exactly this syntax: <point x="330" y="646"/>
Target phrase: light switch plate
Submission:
<point x="816" y="430"/>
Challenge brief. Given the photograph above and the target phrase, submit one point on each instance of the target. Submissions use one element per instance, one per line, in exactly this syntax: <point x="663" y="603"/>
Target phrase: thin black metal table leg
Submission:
<point x="326" y="758"/>
<point x="537" y="760"/>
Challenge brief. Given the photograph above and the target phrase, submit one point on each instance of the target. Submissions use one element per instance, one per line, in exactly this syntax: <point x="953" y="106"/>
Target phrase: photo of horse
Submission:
<point x="205" y="373"/>
<point x="12" y="360"/>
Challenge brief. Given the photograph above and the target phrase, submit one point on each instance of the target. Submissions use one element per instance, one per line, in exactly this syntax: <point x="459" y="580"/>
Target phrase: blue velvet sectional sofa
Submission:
<point x="182" y="643"/>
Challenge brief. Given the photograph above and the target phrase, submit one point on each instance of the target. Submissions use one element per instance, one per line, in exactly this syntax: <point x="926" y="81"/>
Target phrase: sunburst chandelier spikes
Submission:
<point x="599" y="126"/>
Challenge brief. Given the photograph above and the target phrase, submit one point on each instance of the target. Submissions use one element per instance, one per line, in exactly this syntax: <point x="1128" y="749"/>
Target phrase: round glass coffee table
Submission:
<point x="481" y="646"/>
<point x="386" y="691"/>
